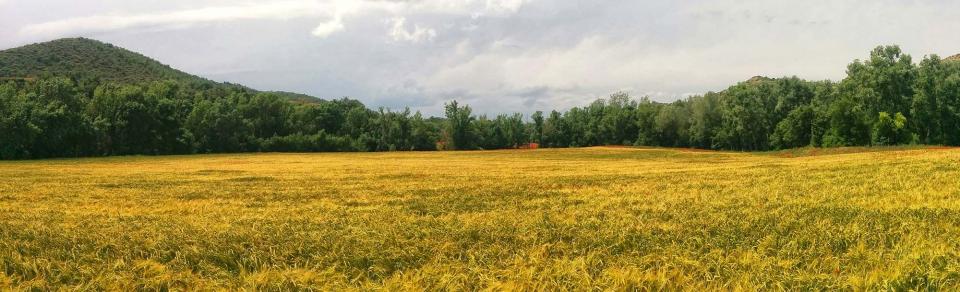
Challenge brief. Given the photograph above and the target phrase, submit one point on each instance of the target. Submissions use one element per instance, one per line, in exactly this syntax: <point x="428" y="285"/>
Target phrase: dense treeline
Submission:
<point x="885" y="100"/>
<point x="55" y="117"/>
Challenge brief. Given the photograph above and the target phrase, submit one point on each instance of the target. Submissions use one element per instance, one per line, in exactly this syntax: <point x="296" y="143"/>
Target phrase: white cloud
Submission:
<point x="504" y="55"/>
<point x="460" y="7"/>
<point x="504" y="6"/>
<point x="399" y="32"/>
<point x="715" y="45"/>
<point x="327" y="28"/>
<point x="335" y="10"/>
<point x="97" y="23"/>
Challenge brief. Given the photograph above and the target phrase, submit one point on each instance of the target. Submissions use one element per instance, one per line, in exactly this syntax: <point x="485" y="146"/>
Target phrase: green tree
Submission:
<point x="459" y="129"/>
<point x="423" y="135"/>
<point x="619" y="124"/>
<point x="882" y="83"/>
<point x="748" y="116"/>
<point x="935" y="102"/>
<point x="266" y="115"/>
<point x="704" y="119"/>
<point x="128" y="121"/>
<point x="217" y="127"/>
<point x="554" y="131"/>
<point x="672" y="123"/>
<point x="848" y="124"/>
<point x="646" y="115"/>
<point x="891" y="130"/>
<point x="537" y="127"/>
<point x="795" y="130"/>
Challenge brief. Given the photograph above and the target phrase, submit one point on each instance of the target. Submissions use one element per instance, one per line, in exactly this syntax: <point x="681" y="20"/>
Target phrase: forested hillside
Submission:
<point x="79" y="97"/>
<point x="86" y="59"/>
<point x="90" y="62"/>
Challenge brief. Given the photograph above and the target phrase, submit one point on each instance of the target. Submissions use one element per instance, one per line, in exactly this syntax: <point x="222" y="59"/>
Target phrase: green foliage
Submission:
<point x="459" y="129"/>
<point x="45" y="119"/>
<point x="217" y="126"/>
<point x="423" y="133"/>
<point x="304" y="143"/>
<point x="91" y="98"/>
<point x="672" y="124"/>
<point x="554" y="131"/>
<point x="936" y="103"/>
<point x="536" y="129"/>
<point x="54" y="118"/>
<point x="891" y="130"/>
<point x="795" y="130"/>
<point x="618" y="123"/>
<point x="646" y="118"/>
<point x="82" y="58"/>
<point x="747" y="116"/>
<point x="705" y="118"/>
<point x="883" y="83"/>
<point x="503" y="132"/>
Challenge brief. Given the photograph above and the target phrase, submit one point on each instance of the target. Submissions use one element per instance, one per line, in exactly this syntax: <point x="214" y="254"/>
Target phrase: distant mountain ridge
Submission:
<point x="84" y="58"/>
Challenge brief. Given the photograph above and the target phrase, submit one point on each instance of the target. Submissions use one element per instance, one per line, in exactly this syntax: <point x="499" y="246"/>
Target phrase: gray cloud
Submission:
<point x="497" y="55"/>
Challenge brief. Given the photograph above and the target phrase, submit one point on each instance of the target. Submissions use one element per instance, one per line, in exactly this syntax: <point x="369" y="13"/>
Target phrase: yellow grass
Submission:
<point x="581" y="219"/>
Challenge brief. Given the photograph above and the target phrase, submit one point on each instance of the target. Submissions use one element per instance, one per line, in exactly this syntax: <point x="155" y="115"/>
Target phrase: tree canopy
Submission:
<point x="54" y="104"/>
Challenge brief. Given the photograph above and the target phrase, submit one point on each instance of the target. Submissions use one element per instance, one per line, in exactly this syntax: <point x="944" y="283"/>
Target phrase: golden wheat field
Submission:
<point x="553" y="219"/>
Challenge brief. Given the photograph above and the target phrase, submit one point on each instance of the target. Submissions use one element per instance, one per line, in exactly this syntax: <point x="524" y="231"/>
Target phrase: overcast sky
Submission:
<point x="496" y="55"/>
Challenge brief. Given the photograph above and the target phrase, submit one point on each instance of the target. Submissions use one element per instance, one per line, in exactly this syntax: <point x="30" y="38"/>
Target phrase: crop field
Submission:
<point x="550" y="219"/>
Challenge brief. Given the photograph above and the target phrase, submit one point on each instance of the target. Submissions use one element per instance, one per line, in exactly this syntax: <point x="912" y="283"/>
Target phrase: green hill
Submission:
<point x="81" y="57"/>
<point x="84" y="58"/>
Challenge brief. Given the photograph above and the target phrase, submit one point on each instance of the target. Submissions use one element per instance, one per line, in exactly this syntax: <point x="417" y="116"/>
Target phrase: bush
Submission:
<point x="891" y="130"/>
<point x="304" y="143"/>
